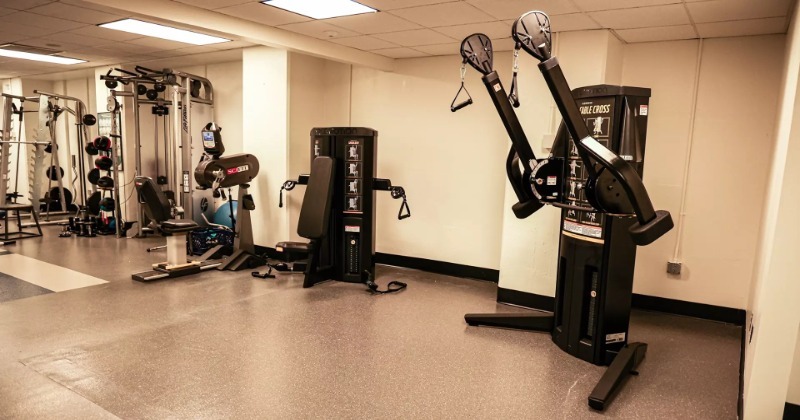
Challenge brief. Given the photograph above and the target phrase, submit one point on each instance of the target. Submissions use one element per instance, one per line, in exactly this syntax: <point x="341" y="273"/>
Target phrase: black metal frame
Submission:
<point x="532" y="33"/>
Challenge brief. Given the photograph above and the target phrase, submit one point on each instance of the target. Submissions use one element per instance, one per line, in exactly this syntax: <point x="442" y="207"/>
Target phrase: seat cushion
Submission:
<point x="177" y="226"/>
<point x="287" y="246"/>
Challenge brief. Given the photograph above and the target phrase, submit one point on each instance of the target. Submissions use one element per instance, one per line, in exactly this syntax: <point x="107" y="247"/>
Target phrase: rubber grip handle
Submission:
<point x="466" y="103"/>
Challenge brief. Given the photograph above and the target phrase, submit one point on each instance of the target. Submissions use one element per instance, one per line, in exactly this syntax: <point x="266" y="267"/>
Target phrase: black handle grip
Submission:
<point x="466" y="103"/>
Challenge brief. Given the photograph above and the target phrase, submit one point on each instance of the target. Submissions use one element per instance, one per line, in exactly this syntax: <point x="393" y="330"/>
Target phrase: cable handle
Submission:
<point x="453" y="106"/>
<point x="405" y="211"/>
<point x="288" y="186"/>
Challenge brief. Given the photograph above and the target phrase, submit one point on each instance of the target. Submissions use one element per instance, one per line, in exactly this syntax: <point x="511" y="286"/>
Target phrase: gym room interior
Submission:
<point x="379" y="209"/>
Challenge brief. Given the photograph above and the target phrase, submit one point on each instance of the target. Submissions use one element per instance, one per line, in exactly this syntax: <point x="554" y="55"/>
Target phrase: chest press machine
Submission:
<point x="338" y="210"/>
<point x="606" y="211"/>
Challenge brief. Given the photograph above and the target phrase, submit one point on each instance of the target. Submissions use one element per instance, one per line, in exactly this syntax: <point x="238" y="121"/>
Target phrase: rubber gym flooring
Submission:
<point x="226" y="345"/>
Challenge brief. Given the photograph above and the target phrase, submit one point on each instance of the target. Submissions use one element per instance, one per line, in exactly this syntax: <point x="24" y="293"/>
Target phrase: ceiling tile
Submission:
<point x="103" y="33"/>
<point x="26" y="31"/>
<point x="398" y="4"/>
<point x="491" y="29"/>
<point x="742" y="27"/>
<point x="6" y="37"/>
<point x="400" y="53"/>
<point x="505" y="44"/>
<point x="373" y="23"/>
<point x="512" y="9"/>
<point x="444" y="14"/>
<point x="660" y="33"/>
<point x="24" y="4"/>
<point x="441" y="49"/>
<point x="642" y="17"/>
<point x="722" y="10"/>
<point x="595" y="5"/>
<point x="158" y="43"/>
<point x="415" y="37"/>
<point x="364" y="42"/>
<point x="77" y="39"/>
<point x="52" y="44"/>
<point x="318" y="29"/>
<point x="213" y="4"/>
<point x="74" y="13"/>
<point x="572" y="22"/>
<point x="260" y="13"/>
<point x="39" y="21"/>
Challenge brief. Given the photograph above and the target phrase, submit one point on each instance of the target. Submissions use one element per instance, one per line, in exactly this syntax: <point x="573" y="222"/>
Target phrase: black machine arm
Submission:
<point x="476" y="50"/>
<point x="383" y="184"/>
<point x="532" y="32"/>
<point x="289" y="185"/>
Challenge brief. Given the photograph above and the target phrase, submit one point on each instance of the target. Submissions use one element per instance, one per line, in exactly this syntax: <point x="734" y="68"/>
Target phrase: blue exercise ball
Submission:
<point x="223" y="214"/>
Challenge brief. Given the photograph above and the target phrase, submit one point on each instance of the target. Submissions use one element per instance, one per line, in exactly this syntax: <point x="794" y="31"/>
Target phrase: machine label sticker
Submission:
<point x="352" y="229"/>
<point x="615" y="338"/>
<point x="643" y="110"/>
<point x="581" y="229"/>
<point x="186" y="182"/>
<point x="353" y="150"/>
<point x="352" y="204"/>
<point x="552" y="180"/>
<point x="237" y="169"/>
<point x="497" y="87"/>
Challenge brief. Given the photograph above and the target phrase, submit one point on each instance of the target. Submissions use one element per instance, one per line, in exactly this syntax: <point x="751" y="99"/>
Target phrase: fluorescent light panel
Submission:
<point x="155" y="30"/>
<point x="39" y="57"/>
<point x="321" y="9"/>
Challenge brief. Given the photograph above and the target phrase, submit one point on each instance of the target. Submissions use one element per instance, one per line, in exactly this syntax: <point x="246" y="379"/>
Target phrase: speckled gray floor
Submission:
<point x="225" y="345"/>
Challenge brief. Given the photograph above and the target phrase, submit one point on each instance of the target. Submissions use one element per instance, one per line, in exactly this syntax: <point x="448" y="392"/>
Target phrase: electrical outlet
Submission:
<point x="673" y="267"/>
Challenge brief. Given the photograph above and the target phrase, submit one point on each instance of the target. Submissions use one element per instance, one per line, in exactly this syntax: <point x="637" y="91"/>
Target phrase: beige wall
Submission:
<point x="450" y="164"/>
<point x="772" y="307"/>
<point x="319" y="96"/>
<point x="729" y="163"/>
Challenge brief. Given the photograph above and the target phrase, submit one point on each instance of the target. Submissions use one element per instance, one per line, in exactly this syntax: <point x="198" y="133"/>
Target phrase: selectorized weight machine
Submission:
<point x="606" y="210"/>
<point x="338" y="211"/>
<point x="171" y="94"/>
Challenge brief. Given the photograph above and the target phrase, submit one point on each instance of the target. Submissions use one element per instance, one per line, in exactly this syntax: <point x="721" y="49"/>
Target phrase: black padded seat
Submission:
<point x="173" y="226"/>
<point x="296" y="247"/>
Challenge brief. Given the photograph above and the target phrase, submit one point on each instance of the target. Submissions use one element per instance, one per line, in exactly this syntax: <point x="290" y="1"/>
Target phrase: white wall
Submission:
<point x="265" y="121"/>
<point x="733" y="134"/>
<point x="793" y="392"/>
<point x="319" y="96"/>
<point x="450" y="164"/>
<point x="772" y="307"/>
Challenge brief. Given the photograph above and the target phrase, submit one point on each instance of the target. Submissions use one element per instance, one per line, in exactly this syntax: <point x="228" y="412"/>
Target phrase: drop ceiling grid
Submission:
<point x="629" y="20"/>
<point x="404" y="28"/>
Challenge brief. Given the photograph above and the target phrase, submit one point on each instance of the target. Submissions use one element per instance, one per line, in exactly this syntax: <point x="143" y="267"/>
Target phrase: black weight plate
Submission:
<point x="104" y="162"/>
<point x="52" y="174"/>
<point x="94" y="176"/>
<point x="93" y="203"/>
<point x="56" y="196"/>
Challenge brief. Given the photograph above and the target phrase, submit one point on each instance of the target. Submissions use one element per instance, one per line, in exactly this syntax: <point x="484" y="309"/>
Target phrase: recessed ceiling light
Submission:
<point x="39" y="57"/>
<point x="155" y="30"/>
<point x="321" y="9"/>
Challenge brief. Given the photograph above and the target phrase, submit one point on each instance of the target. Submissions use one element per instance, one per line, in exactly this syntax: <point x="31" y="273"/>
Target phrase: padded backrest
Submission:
<point x="154" y="201"/>
<point x="316" y="210"/>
